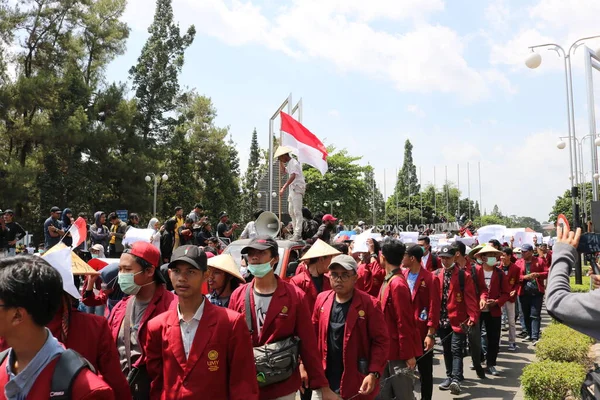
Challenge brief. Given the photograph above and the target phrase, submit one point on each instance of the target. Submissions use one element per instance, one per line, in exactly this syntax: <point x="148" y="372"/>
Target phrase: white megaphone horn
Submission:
<point x="267" y="224"/>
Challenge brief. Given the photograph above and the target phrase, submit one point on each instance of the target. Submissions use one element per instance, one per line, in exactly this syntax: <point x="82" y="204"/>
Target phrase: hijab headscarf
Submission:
<point x="151" y="224"/>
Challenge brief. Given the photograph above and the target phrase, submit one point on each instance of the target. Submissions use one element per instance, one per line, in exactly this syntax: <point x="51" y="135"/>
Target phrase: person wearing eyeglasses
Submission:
<point x="352" y="336"/>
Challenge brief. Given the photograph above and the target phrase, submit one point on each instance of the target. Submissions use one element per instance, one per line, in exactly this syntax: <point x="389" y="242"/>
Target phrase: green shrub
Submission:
<point x="561" y="343"/>
<point x="551" y="380"/>
<point x="583" y="288"/>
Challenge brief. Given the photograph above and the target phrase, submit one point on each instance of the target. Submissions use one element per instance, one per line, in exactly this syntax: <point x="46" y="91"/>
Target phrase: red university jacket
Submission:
<point x="220" y="363"/>
<point x="498" y="289"/>
<point x="366" y="337"/>
<point x="162" y="301"/>
<point x="303" y="281"/>
<point x="405" y="342"/>
<point x="288" y="315"/>
<point x="425" y="295"/>
<point x="461" y="306"/>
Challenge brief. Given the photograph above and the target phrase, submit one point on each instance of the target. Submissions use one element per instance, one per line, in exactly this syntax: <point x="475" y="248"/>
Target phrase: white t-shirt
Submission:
<point x="425" y="259"/>
<point x="294" y="167"/>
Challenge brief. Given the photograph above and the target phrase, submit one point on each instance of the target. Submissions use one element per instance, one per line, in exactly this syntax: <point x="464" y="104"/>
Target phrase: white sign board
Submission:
<point x="522" y="238"/>
<point x="134" y="235"/>
<point x="489" y="232"/>
<point x="360" y="242"/>
<point x="409" y="237"/>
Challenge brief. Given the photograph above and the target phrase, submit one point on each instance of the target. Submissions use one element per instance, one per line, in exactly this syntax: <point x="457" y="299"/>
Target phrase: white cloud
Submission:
<point x="415" y="109"/>
<point x="334" y="113"/>
<point x="425" y="58"/>
<point x="498" y="14"/>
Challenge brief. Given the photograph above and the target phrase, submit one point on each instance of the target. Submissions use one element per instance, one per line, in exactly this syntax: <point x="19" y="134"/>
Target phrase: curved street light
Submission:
<point x="533" y="60"/>
<point x="561" y="144"/>
<point x="157" y="177"/>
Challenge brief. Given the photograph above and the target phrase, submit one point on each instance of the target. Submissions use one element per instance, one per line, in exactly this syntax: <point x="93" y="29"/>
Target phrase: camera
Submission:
<point x="589" y="244"/>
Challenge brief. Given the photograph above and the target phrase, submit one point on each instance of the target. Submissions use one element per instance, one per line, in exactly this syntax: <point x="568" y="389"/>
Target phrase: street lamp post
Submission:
<point x="330" y="203"/>
<point x="533" y="61"/>
<point x="157" y="177"/>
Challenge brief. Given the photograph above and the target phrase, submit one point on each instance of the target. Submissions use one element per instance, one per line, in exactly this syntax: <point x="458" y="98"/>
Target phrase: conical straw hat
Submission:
<point x="226" y="263"/>
<point x="320" y="249"/>
<point x="281" y="150"/>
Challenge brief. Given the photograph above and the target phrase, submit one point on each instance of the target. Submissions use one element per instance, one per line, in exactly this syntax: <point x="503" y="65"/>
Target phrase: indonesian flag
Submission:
<point x="78" y="231"/>
<point x="309" y="148"/>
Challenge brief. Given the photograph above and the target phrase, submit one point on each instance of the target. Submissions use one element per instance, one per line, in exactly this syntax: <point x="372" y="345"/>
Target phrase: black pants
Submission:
<point x="493" y="328"/>
<point x="425" y="365"/>
<point x="113" y="251"/>
<point x="453" y="352"/>
<point x="307" y="395"/>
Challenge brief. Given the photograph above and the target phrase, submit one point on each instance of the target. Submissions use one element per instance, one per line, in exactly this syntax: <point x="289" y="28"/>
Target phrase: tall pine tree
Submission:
<point x="251" y="178"/>
<point x="155" y="77"/>
<point x="407" y="176"/>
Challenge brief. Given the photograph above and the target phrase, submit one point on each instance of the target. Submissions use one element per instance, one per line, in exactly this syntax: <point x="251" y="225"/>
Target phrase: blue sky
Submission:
<point x="448" y="75"/>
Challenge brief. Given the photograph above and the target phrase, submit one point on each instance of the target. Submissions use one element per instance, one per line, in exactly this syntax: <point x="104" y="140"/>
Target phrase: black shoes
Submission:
<point x="446" y="384"/>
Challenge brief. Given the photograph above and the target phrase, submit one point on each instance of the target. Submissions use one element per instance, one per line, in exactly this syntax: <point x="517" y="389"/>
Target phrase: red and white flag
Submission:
<point x="78" y="231"/>
<point x="309" y="149"/>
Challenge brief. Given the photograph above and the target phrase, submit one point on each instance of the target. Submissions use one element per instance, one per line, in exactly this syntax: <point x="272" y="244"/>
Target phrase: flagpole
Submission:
<point x="480" y="202"/>
<point x="447" y="192"/>
<point x="396" y="196"/>
<point x="271" y="134"/>
<point x="469" y="189"/>
<point x="421" y="193"/>
<point x="434" y="194"/>
<point x="384" y="196"/>
<point x="458" y="187"/>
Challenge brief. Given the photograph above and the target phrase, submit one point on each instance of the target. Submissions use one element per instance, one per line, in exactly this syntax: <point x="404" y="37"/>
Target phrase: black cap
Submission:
<point x="8" y="211"/>
<point x="223" y="214"/>
<point x="198" y="205"/>
<point x="414" y="250"/>
<point x="190" y="254"/>
<point x="178" y="208"/>
<point x="55" y="209"/>
<point x="526" y="247"/>
<point x="262" y="242"/>
<point x="447" y="250"/>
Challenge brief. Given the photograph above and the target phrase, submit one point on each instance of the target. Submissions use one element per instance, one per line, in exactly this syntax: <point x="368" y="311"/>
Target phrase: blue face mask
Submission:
<point x="479" y="261"/>
<point x="491" y="261"/>
<point x="95" y="255"/>
<point x="260" y="270"/>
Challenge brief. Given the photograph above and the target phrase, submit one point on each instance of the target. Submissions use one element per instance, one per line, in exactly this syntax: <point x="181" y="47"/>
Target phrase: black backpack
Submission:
<point x="69" y="365"/>
<point x="461" y="278"/>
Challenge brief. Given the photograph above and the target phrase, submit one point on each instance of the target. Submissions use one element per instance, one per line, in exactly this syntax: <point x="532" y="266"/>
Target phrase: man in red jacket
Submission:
<point x="531" y="291"/>
<point x="459" y="311"/>
<point x="30" y="295"/>
<point x="491" y="313"/>
<point x="405" y="342"/>
<point x="141" y="279"/>
<point x="513" y="275"/>
<point x="278" y="311"/>
<point x="312" y="278"/>
<point x="425" y="293"/>
<point x="351" y="332"/>
<point x="430" y="261"/>
<point x="199" y="349"/>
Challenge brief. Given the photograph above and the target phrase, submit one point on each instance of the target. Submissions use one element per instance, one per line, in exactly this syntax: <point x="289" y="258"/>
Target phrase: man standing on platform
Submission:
<point x="297" y="187"/>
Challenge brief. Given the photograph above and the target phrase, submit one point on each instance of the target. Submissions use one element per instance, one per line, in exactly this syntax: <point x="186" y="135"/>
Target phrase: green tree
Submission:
<point x="344" y="181"/>
<point x="155" y="76"/>
<point x="407" y="181"/>
<point x="251" y="179"/>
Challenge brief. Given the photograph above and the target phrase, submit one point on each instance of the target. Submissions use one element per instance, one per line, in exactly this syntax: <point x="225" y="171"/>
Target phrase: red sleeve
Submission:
<point x="309" y="350"/>
<point x="435" y="303"/>
<point x="380" y="341"/>
<point x="89" y="386"/>
<point x="544" y="269"/>
<point x="365" y="279"/>
<point x="242" y="370"/>
<point x="153" y="351"/>
<point x="378" y="275"/>
<point x="94" y="300"/>
<point x="109" y="365"/>
<point x="471" y="301"/>
<point x="408" y="338"/>
<point x="504" y="288"/>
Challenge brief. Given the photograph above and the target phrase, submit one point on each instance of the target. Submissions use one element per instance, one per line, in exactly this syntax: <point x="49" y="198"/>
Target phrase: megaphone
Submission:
<point x="267" y="224"/>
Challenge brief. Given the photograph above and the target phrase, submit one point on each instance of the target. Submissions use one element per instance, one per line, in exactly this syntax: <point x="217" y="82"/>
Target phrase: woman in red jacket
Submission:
<point x="513" y="274"/>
